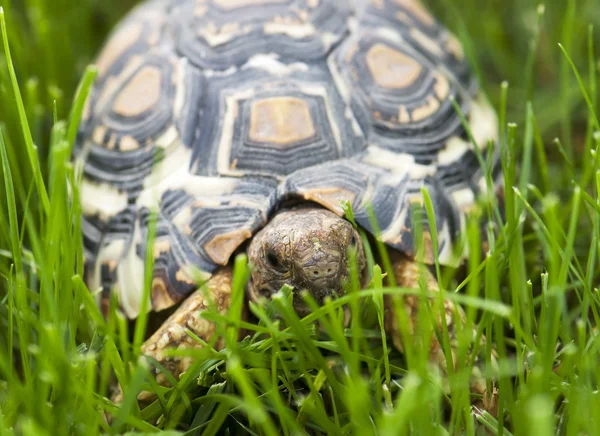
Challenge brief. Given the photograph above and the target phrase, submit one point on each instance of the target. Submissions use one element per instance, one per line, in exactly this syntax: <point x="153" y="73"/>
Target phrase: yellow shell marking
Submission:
<point x="281" y="121"/>
<point x="128" y="143"/>
<point x="117" y="45"/>
<point x="141" y="93"/>
<point x="415" y="8"/>
<point x="429" y="108"/>
<point x="390" y="68"/>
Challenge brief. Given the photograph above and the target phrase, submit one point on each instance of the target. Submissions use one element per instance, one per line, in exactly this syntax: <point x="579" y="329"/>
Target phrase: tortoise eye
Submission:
<point x="353" y="240"/>
<point x="274" y="261"/>
<point x="265" y="291"/>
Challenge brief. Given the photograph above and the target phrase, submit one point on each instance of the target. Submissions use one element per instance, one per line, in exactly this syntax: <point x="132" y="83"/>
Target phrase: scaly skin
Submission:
<point x="305" y="248"/>
<point x="171" y="333"/>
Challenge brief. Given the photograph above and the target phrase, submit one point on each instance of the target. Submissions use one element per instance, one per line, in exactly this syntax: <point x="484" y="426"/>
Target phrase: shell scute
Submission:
<point x="421" y="31"/>
<point x="218" y="35"/>
<point x="398" y="96"/>
<point x="271" y="119"/>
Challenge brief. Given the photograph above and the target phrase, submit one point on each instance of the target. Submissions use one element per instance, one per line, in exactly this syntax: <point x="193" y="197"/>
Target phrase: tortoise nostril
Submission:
<point x="319" y="273"/>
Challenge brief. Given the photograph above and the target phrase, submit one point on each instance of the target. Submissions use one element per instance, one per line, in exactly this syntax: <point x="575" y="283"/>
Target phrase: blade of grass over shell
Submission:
<point x="75" y="218"/>
<point x="493" y="207"/>
<point x="88" y="303"/>
<point x="433" y="232"/>
<point x="142" y="319"/>
<point x="401" y="316"/>
<point x="355" y="322"/>
<point x="377" y="282"/>
<point x="241" y="274"/>
<point x="81" y="97"/>
<point x="349" y="215"/>
<point x="58" y="235"/>
<point x="30" y="147"/>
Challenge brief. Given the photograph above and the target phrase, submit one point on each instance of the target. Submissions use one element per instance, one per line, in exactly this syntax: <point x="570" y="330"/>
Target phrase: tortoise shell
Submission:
<point x="208" y="114"/>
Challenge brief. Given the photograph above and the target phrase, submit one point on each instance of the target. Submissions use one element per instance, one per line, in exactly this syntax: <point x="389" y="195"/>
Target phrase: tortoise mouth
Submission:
<point x="320" y="296"/>
<point x="299" y="303"/>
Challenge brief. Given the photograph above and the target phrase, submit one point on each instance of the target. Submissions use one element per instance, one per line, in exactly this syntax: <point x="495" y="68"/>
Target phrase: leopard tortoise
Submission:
<point x="245" y="123"/>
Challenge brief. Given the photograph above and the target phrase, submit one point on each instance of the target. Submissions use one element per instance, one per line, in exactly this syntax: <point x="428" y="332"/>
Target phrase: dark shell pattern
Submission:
<point x="208" y="114"/>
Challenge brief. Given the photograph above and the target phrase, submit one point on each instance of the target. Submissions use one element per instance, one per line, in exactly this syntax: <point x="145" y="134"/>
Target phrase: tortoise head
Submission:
<point x="306" y="249"/>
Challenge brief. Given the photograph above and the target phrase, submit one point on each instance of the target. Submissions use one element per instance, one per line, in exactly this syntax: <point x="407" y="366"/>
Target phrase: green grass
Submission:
<point x="534" y="295"/>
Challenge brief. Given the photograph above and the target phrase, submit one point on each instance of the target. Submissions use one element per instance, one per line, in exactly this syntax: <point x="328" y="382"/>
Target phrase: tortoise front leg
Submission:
<point x="409" y="274"/>
<point x="172" y="333"/>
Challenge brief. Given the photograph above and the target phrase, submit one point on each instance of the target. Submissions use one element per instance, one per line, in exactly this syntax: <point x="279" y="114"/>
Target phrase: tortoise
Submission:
<point x="243" y="124"/>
